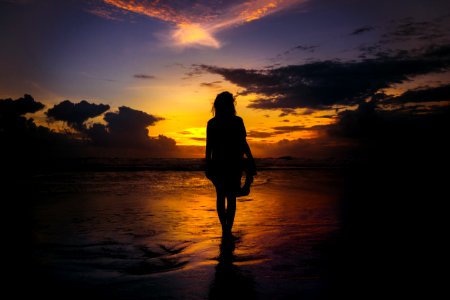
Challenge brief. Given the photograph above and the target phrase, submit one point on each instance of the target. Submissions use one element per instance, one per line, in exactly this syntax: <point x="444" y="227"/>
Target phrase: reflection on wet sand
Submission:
<point x="230" y="282"/>
<point x="156" y="235"/>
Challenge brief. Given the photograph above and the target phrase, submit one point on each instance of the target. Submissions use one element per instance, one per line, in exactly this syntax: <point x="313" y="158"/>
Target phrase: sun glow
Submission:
<point x="193" y="34"/>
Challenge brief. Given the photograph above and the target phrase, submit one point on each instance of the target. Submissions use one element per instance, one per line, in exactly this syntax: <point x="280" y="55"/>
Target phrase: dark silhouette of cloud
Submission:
<point x="260" y="134"/>
<point x="277" y="130"/>
<point x="288" y="111"/>
<point x="144" y="76"/>
<point x="401" y="34"/>
<point x="213" y="84"/>
<point x="397" y="136"/>
<point x="362" y="30"/>
<point x="19" y="107"/>
<point x="126" y="131"/>
<point x="129" y="126"/>
<point x="15" y="129"/>
<point x="125" y="134"/>
<point x="411" y="29"/>
<point x="434" y="94"/>
<point x="200" y="139"/>
<point x="304" y="48"/>
<point x="324" y="84"/>
<point x="75" y="114"/>
<point x="24" y="144"/>
<point x="319" y="148"/>
<point x="293" y="112"/>
<point x="371" y="135"/>
<point x="287" y="129"/>
<point x="185" y="132"/>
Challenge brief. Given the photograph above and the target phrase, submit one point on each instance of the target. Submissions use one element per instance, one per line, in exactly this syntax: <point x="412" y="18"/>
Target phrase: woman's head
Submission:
<point x="224" y="105"/>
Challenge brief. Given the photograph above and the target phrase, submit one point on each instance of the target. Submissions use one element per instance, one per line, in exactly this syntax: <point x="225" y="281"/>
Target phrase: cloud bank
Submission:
<point x="123" y="134"/>
<point x="75" y="114"/>
<point x="324" y="84"/>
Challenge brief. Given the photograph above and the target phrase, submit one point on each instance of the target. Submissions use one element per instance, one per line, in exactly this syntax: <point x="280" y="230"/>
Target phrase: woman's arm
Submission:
<point x="247" y="150"/>
<point x="251" y="160"/>
<point x="208" y="153"/>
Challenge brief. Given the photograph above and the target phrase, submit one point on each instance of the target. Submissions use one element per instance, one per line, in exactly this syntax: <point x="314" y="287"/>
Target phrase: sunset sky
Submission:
<point x="295" y="65"/>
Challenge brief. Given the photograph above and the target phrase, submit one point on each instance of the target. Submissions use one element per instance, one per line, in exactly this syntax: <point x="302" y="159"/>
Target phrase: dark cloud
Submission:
<point x="200" y="139"/>
<point x="125" y="128"/>
<point x="364" y="122"/>
<point x="185" y="132"/>
<point x="320" y="148"/>
<point x="324" y="84"/>
<point x="288" y="111"/>
<point x="125" y="134"/>
<point x="260" y="134"/>
<point x="129" y="119"/>
<point x="280" y="130"/>
<point x="411" y="29"/>
<point x="293" y="112"/>
<point x="17" y="131"/>
<point x="75" y="114"/>
<point x="434" y="94"/>
<point x="213" y="84"/>
<point x="143" y="76"/>
<point x="401" y="34"/>
<point x="303" y="48"/>
<point x="19" y="107"/>
<point x="306" y="48"/>
<point x="325" y="117"/>
<point x="287" y="129"/>
<point x="372" y="135"/>
<point x="23" y="142"/>
<point x="362" y="30"/>
<point x="394" y="135"/>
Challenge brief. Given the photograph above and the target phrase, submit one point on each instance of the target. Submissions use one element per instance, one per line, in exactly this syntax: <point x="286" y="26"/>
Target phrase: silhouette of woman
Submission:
<point x="226" y="145"/>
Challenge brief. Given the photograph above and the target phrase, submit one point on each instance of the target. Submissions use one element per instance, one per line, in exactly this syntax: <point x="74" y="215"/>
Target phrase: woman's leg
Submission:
<point x="231" y="211"/>
<point x="221" y="212"/>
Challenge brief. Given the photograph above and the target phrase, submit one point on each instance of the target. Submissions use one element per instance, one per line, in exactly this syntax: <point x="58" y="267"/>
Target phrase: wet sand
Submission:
<point x="156" y="235"/>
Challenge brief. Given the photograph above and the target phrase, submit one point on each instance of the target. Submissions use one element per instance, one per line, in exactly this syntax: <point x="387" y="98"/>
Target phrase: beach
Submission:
<point x="156" y="235"/>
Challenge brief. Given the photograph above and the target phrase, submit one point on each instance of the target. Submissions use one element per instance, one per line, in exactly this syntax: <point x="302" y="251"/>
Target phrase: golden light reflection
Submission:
<point x="188" y="204"/>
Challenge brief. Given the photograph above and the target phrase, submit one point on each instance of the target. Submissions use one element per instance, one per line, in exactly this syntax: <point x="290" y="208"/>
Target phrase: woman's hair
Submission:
<point x="224" y="105"/>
